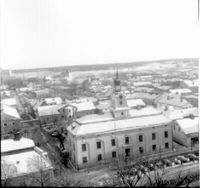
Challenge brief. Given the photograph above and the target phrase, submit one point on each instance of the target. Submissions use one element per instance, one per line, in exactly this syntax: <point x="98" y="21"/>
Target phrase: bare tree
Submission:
<point x="7" y="172"/>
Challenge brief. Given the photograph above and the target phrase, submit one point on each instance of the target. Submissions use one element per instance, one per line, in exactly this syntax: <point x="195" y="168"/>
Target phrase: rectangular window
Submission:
<point x="113" y="142"/>
<point x="114" y="154"/>
<point x="84" y="159"/>
<point x="98" y="145"/>
<point x="166" y="145"/>
<point x="13" y="123"/>
<point x="140" y="138"/>
<point x="99" y="157"/>
<point x="127" y="152"/>
<point x="154" y="147"/>
<point x="5" y="124"/>
<point x="126" y="140"/>
<point x="153" y="136"/>
<point x="141" y="150"/>
<point x="166" y="134"/>
<point x="83" y="147"/>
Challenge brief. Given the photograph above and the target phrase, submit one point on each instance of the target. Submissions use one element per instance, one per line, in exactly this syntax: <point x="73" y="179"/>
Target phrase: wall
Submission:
<point x="106" y="150"/>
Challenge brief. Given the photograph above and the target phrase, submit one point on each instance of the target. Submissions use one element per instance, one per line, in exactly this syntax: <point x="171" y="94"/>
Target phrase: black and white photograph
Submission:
<point x="99" y="93"/>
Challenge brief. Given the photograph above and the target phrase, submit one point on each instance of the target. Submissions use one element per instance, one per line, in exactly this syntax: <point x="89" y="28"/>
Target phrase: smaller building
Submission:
<point x="170" y="101"/>
<point x="83" y="108"/>
<point x="20" y="158"/>
<point x="135" y="103"/>
<point x="184" y="91"/>
<point x="51" y="114"/>
<point x="186" y="131"/>
<point x="52" y="101"/>
<point x="192" y="99"/>
<point x="191" y="84"/>
<point x="10" y="120"/>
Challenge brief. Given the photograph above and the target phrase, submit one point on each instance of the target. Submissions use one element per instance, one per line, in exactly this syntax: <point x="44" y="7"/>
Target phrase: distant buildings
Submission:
<point x="170" y="101"/>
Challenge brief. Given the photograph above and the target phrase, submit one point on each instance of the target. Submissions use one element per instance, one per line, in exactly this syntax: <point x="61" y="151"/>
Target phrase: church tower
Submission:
<point x="119" y="107"/>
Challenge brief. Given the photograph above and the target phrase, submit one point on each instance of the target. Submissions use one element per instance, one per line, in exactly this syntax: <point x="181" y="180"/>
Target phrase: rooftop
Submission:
<point x="135" y="102"/>
<point x="179" y="91"/>
<point x="147" y="111"/>
<point x="56" y="100"/>
<point x="14" y="145"/>
<point x="9" y="113"/>
<point x="9" y="101"/>
<point x="192" y="83"/>
<point x="189" y="125"/>
<point x="179" y="114"/>
<point x="117" y="125"/>
<point x="50" y="109"/>
<point x="173" y="100"/>
<point x="22" y="163"/>
<point x="82" y="106"/>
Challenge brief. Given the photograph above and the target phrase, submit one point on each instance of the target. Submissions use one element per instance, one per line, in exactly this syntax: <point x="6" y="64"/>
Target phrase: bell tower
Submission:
<point x="119" y="107"/>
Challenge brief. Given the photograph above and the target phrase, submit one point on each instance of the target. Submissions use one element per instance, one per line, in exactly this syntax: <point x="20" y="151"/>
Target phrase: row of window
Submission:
<point x="5" y="124"/>
<point x="113" y="143"/>
<point x="127" y="152"/>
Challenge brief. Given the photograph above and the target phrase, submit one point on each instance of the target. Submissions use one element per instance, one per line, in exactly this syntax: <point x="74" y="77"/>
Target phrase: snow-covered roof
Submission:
<point x="141" y="95"/>
<point x="94" y="118"/>
<point x="9" y="113"/>
<point x="56" y="100"/>
<point x="50" y="109"/>
<point x="180" y="91"/>
<point x="9" y="101"/>
<point x="141" y="83"/>
<point x="147" y="111"/>
<point x="82" y="106"/>
<point x="192" y="83"/>
<point x="117" y="125"/>
<point x="8" y="145"/>
<point x="173" y="100"/>
<point x="179" y="114"/>
<point x="189" y="125"/>
<point x="23" y="163"/>
<point x="135" y="102"/>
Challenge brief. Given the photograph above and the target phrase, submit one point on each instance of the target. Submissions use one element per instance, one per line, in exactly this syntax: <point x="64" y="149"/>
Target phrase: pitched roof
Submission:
<point x="50" y="109"/>
<point x="179" y="114"/>
<point x="8" y="145"/>
<point x="189" y="125"/>
<point x="173" y="100"/>
<point x="135" y="102"/>
<point x="82" y="106"/>
<point x="9" y="101"/>
<point x="56" y="100"/>
<point x="192" y="83"/>
<point x="117" y="125"/>
<point x="9" y="113"/>
<point x="180" y="91"/>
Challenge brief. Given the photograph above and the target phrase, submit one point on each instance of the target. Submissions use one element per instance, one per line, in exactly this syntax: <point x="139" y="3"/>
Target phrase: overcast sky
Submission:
<point x="47" y="33"/>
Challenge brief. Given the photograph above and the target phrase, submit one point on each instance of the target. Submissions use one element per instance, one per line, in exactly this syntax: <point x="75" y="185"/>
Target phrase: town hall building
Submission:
<point x="123" y="133"/>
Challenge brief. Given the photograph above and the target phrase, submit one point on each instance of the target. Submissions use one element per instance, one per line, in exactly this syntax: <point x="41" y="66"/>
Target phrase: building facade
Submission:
<point x="118" y="136"/>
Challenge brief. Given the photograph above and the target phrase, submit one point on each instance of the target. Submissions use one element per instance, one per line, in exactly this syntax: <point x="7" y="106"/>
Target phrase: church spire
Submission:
<point x="117" y="84"/>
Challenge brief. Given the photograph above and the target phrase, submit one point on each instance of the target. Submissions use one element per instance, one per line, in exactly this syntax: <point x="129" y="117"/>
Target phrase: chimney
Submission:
<point x="17" y="136"/>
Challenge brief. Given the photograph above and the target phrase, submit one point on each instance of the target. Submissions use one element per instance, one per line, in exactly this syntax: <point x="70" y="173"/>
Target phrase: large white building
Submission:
<point x="124" y="133"/>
